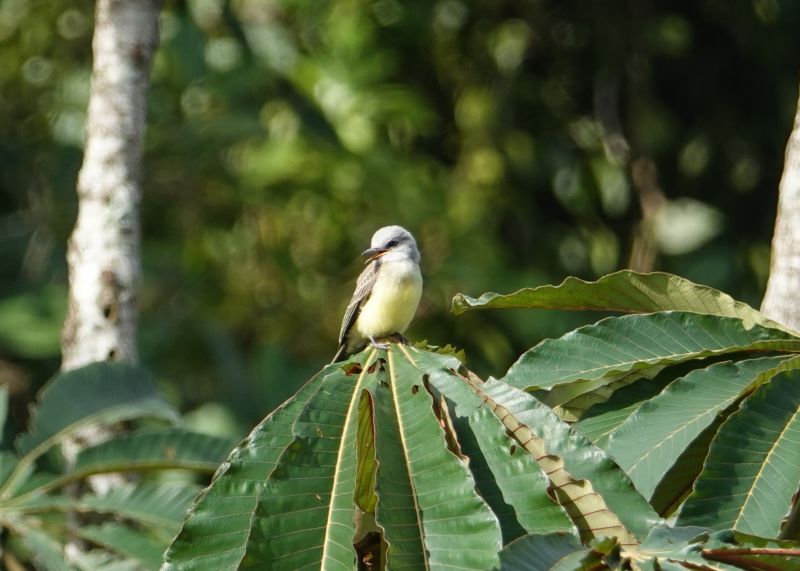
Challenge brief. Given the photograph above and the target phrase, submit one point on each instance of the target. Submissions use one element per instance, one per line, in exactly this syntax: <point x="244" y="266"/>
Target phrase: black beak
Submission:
<point x="373" y="254"/>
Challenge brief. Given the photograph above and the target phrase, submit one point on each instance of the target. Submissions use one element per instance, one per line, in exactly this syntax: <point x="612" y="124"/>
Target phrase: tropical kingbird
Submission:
<point x="387" y="292"/>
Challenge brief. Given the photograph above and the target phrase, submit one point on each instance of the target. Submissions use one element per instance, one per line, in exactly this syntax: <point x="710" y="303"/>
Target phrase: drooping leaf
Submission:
<point x="126" y="541"/>
<point x="454" y="526"/>
<point x="649" y="442"/>
<point x="599" y="497"/>
<point x="507" y="477"/>
<point x="217" y="526"/>
<point x="101" y="392"/>
<point x="753" y="467"/>
<point x="305" y="514"/>
<point x="171" y="448"/>
<point x="46" y="550"/>
<point x="625" y="291"/>
<point x="616" y="347"/>
<point x="161" y="505"/>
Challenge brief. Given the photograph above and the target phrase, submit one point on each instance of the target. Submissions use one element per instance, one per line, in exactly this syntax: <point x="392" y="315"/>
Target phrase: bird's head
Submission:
<point x="392" y="243"/>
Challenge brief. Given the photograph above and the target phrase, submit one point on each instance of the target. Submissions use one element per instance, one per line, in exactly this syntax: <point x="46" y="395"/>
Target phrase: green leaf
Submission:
<point x="101" y="392"/>
<point x="753" y="467"/>
<point x="626" y="291"/>
<point x="367" y="465"/>
<point x="126" y="541"/>
<point x="510" y="481"/>
<point x="215" y="532"/>
<point x="616" y="347"/>
<point x="305" y="514"/>
<point x="47" y="552"/>
<point x="603" y="497"/>
<point x="539" y="552"/>
<point x="603" y="418"/>
<point x="161" y="505"/>
<point x="444" y="515"/>
<point x="649" y="442"/>
<point x="155" y="450"/>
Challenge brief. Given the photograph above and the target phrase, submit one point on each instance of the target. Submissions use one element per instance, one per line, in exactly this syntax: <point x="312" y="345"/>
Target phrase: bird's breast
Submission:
<point x="393" y="300"/>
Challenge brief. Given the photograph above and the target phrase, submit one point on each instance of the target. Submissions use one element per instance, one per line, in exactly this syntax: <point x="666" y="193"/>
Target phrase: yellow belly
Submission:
<point x="393" y="301"/>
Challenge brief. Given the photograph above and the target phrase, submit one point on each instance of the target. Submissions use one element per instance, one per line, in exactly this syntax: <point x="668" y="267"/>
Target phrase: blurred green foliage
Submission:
<point x="521" y="141"/>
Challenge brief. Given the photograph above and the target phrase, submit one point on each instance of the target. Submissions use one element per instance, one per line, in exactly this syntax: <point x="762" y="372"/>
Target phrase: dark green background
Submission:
<point x="517" y="140"/>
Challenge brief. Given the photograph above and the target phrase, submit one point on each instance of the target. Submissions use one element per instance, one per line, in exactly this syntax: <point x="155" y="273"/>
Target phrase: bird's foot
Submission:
<point x="398" y="338"/>
<point x="378" y="345"/>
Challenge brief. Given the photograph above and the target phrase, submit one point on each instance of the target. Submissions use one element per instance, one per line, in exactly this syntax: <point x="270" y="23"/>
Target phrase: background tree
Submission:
<point x="781" y="300"/>
<point x="103" y="252"/>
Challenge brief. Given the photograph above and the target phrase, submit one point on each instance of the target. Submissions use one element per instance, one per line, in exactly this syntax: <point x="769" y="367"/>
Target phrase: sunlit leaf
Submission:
<point x="649" y="442"/>
<point x="625" y="291"/>
<point x="596" y="355"/>
<point x="218" y="524"/>
<point x="753" y="467"/>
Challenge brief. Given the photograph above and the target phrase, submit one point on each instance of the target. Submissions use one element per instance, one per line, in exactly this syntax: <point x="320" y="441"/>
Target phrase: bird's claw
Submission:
<point x="378" y="345"/>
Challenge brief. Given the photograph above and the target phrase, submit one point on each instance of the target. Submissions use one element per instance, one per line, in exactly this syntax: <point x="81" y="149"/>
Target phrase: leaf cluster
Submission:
<point x="685" y="411"/>
<point x="127" y="526"/>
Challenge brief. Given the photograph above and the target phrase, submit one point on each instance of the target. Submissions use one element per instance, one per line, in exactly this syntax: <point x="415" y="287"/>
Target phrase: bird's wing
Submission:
<point x="363" y="288"/>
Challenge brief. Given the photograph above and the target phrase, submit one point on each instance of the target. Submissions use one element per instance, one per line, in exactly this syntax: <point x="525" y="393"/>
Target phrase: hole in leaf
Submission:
<point x="414" y="389"/>
<point x="351" y="369"/>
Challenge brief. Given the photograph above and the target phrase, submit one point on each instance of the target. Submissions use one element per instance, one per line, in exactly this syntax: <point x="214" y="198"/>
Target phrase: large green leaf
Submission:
<point x="218" y="524"/>
<point x="603" y="418"/>
<point x="160" y="505"/>
<point x="47" y="551"/>
<point x="305" y="514"/>
<point x="626" y="291"/>
<point x="649" y="442"/>
<point x="510" y="481"/>
<point x="101" y="392"/>
<point x="98" y="392"/>
<point x="126" y="541"/>
<point x="753" y="467"/>
<point x="618" y="347"/>
<point x="452" y="525"/>
<point x="155" y="450"/>
<point x="602" y="498"/>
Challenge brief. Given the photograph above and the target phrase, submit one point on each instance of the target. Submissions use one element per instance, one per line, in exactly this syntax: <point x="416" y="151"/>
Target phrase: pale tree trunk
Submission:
<point x="782" y="300"/>
<point x="103" y="251"/>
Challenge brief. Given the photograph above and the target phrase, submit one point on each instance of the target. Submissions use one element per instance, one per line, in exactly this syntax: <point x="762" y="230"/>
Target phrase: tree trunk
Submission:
<point x="103" y="251"/>
<point x="782" y="300"/>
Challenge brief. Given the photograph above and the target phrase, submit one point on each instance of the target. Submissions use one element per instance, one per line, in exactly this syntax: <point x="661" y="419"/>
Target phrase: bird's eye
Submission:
<point x="391" y="243"/>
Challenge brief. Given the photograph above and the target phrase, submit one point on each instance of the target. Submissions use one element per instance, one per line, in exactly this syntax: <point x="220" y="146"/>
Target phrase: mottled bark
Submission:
<point x="103" y="252"/>
<point x="782" y="300"/>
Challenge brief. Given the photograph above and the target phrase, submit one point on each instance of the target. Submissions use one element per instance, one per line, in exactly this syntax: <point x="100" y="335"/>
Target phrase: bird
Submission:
<point x="387" y="292"/>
